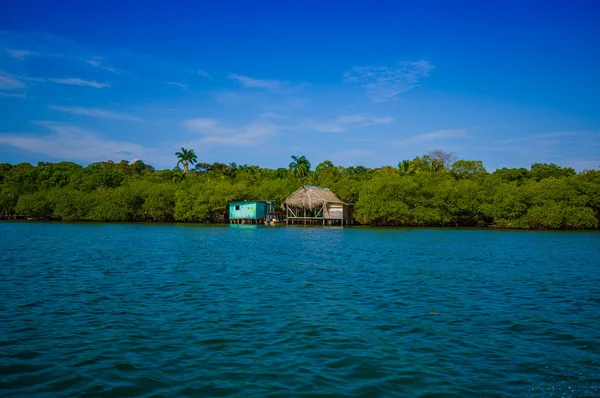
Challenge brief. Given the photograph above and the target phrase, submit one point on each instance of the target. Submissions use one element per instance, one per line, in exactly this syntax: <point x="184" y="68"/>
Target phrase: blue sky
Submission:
<point x="510" y="83"/>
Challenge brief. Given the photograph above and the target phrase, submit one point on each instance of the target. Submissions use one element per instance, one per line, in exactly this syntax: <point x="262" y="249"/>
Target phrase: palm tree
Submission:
<point x="406" y="167"/>
<point x="435" y="165"/>
<point x="300" y="166"/>
<point x="186" y="156"/>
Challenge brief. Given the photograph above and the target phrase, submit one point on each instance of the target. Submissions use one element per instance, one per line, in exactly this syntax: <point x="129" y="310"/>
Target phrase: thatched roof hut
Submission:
<point x="316" y="205"/>
<point x="308" y="197"/>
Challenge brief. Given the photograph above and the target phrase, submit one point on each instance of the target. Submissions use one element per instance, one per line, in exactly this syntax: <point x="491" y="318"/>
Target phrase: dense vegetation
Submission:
<point x="431" y="190"/>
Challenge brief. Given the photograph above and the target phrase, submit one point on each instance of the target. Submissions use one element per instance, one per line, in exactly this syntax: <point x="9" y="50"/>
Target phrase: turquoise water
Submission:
<point x="182" y="310"/>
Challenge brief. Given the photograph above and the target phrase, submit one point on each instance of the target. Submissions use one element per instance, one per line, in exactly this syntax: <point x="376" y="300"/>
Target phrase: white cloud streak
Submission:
<point x="180" y="85"/>
<point x="431" y="137"/>
<point x="204" y="73"/>
<point x="273" y="86"/>
<point x="213" y="132"/>
<point x="9" y="82"/>
<point x="14" y="95"/>
<point x="73" y="143"/>
<point x="541" y="137"/>
<point x="75" y="81"/>
<point x="96" y="112"/>
<point x="19" y="54"/>
<point x="383" y="83"/>
<point x="97" y="63"/>
<point x="249" y="82"/>
<point x="348" y="122"/>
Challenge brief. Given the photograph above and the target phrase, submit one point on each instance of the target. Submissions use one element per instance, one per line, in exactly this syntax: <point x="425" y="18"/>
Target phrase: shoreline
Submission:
<point x="357" y="225"/>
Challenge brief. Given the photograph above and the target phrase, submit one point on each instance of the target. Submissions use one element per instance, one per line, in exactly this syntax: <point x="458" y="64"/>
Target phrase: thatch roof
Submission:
<point x="308" y="197"/>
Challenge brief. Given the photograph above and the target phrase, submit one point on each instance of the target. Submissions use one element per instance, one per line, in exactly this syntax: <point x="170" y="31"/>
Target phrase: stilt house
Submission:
<point x="249" y="211"/>
<point x="313" y="205"/>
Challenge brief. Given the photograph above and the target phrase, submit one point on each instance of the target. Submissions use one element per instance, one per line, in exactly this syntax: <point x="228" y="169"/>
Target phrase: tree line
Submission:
<point x="434" y="189"/>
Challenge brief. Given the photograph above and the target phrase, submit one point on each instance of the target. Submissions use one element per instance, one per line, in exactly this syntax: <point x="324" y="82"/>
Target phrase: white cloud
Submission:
<point x="347" y="122"/>
<point x="383" y="83"/>
<point x="540" y="137"/>
<point x="237" y="97"/>
<point x="96" y="112"/>
<point x="204" y="73"/>
<point x="73" y="143"/>
<point x="181" y="85"/>
<point x="96" y="62"/>
<point x="273" y="86"/>
<point x="249" y="82"/>
<point x="205" y="126"/>
<point x="431" y="137"/>
<point x="19" y="54"/>
<point x="12" y="95"/>
<point x="79" y="82"/>
<point x="213" y="132"/>
<point x="9" y="82"/>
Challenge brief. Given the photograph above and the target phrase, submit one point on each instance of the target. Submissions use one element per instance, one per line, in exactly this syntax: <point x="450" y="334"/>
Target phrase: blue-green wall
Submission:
<point x="249" y="209"/>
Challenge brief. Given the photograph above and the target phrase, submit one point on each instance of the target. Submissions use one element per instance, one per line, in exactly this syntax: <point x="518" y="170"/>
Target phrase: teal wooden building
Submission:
<point x="249" y="211"/>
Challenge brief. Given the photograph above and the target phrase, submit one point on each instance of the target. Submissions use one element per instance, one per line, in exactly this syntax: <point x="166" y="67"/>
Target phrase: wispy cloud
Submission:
<point x="2" y="94"/>
<point x="204" y="73"/>
<point x="383" y="83"/>
<point x="181" y="85"/>
<point x="249" y="82"/>
<point x="347" y="122"/>
<point x="541" y="137"/>
<point x="19" y="54"/>
<point x="73" y="143"/>
<point x="431" y="137"/>
<point x="75" y="81"/>
<point x="273" y="86"/>
<point x="97" y="62"/>
<point x="96" y="112"/>
<point x="237" y="97"/>
<point x="214" y="132"/>
<point x="9" y="82"/>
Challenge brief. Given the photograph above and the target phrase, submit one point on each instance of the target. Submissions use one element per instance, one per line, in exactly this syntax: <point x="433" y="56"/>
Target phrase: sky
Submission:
<point x="510" y="83"/>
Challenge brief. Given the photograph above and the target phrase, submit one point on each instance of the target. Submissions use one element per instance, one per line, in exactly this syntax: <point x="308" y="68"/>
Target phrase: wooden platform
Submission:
<point x="247" y="221"/>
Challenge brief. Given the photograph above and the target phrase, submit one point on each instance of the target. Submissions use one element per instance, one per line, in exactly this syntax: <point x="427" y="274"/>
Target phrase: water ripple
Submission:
<point x="98" y="310"/>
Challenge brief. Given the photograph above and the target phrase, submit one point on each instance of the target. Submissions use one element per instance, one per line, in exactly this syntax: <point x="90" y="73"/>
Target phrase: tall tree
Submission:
<point x="406" y="167"/>
<point x="326" y="164"/>
<point x="467" y="169"/>
<point x="186" y="156"/>
<point x="443" y="157"/>
<point x="300" y="166"/>
<point x="427" y="163"/>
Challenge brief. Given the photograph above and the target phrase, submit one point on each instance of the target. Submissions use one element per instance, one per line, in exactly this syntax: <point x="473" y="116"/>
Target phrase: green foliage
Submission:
<point x="462" y="169"/>
<point x="186" y="157"/>
<point x="300" y="166"/>
<point x="541" y="170"/>
<point x="509" y="175"/>
<point x="421" y="192"/>
<point x="35" y="205"/>
<point x="426" y="163"/>
<point x="71" y="204"/>
<point x="406" y="167"/>
<point x="8" y="201"/>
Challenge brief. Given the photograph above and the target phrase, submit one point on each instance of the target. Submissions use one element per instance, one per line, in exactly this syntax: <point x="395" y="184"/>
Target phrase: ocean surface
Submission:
<point x="142" y="310"/>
